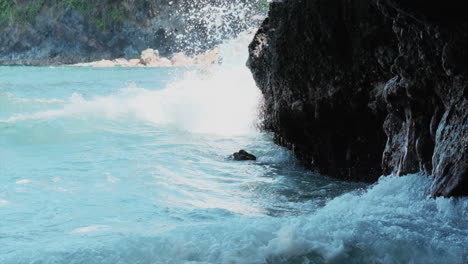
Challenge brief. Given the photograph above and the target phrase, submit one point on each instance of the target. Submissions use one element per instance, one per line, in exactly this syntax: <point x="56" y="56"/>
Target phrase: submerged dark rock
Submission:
<point x="243" y="155"/>
<point x="368" y="87"/>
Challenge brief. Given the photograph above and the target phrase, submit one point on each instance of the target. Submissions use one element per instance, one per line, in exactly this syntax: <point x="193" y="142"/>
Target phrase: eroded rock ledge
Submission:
<point x="368" y="87"/>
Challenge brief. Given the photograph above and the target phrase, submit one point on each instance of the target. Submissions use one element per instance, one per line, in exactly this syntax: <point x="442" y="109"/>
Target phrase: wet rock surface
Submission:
<point x="243" y="155"/>
<point x="364" y="88"/>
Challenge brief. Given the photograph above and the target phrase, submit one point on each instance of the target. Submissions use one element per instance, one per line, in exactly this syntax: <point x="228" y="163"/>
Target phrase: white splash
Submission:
<point x="392" y="222"/>
<point x="223" y="100"/>
<point x="219" y="100"/>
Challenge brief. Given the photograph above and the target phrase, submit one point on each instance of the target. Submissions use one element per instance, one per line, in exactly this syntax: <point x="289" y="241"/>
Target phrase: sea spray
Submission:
<point x="221" y="99"/>
<point x="218" y="20"/>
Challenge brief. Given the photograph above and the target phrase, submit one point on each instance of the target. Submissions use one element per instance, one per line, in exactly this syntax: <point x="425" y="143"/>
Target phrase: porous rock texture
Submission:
<point x="362" y="88"/>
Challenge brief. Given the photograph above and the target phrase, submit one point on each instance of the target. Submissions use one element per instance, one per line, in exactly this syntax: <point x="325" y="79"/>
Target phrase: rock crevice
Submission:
<point x="363" y="88"/>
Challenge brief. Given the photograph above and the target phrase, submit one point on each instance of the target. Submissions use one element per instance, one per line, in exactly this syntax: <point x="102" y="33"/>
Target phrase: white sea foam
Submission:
<point x="394" y="221"/>
<point x="221" y="99"/>
<point x="12" y="98"/>
<point x="89" y="229"/>
<point x="25" y="181"/>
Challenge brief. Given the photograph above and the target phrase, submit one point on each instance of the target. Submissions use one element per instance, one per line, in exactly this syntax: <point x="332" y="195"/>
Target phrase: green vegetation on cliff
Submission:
<point x="19" y="13"/>
<point x="103" y="12"/>
<point x="49" y="32"/>
<point x="263" y="5"/>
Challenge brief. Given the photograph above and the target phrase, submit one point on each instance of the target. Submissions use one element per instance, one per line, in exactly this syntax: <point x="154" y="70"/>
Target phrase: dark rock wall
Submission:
<point x="316" y="63"/>
<point x="426" y="100"/>
<point x="363" y="88"/>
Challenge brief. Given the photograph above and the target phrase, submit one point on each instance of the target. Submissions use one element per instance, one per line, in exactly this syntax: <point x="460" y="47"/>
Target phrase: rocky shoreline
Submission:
<point x="41" y="33"/>
<point x="368" y="87"/>
<point x="151" y="58"/>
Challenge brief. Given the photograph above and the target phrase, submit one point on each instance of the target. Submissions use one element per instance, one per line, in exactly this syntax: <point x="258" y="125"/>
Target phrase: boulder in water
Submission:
<point x="243" y="155"/>
<point x="150" y="57"/>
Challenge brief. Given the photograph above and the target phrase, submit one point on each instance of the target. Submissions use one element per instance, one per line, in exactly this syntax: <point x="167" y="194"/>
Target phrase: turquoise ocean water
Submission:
<point x="130" y="165"/>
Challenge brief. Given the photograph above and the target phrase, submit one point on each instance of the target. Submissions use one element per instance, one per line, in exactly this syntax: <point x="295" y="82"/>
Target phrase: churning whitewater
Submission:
<point x="130" y="165"/>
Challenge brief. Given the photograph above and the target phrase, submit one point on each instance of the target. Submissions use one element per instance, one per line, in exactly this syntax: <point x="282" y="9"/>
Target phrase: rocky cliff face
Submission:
<point x="43" y="32"/>
<point x="368" y="87"/>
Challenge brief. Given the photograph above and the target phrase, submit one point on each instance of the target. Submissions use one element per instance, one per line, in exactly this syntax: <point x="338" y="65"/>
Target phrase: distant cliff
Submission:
<point x="43" y="32"/>
<point x="368" y="87"/>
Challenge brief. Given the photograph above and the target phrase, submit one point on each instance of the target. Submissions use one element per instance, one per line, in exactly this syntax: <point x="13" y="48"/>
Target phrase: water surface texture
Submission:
<point x="125" y="165"/>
